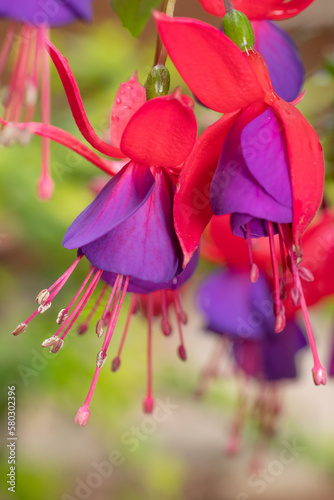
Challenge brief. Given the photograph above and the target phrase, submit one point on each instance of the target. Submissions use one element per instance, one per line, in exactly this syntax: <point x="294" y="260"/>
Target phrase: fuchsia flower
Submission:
<point x="127" y="233"/>
<point x="276" y="46"/>
<point x="240" y="313"/>
<point x="261" y="162"/>
<point x="30" y="60"/>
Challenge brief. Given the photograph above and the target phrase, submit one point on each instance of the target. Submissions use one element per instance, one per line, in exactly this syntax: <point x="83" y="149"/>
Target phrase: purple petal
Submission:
<point x="143" y="287"/>
<point x="234" y="306"/>
<point x="120" y="198"/>
<point x="144" y="245"/>
<point x="282" y="57"/>
<point x="252" y="176"/>
<point x="279" y="351"/>
<point x="258" y="227"/>
<point x="46" y="12"/>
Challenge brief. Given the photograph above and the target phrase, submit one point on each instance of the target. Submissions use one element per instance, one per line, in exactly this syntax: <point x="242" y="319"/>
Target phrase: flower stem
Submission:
<point x="228" y="5"/>
<point x="160" y="51"/>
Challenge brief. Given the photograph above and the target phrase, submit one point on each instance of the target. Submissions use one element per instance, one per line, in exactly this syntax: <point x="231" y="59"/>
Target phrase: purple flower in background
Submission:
<point x="30" y="73"/>
<point x="241" y="314"/>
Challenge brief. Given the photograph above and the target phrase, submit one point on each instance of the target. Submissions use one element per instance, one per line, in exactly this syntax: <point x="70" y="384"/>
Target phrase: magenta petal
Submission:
<point x="282" y="57"/>
<point x="119" y="199"/>
<point x="161" y="133"/>
<point x="145" y="245"/>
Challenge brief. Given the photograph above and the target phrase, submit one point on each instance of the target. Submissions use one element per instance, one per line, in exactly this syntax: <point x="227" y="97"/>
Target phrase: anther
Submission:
<point x="116" y="363"/>
<point x="99" y="328"/>
<point x="295" y="296"/>
<point x="148" y="404"/>
<point x="182" y="353"/>
<point x="44" y="307"/>
<point x="50" y="341"/>
<point x="21" y="328"/>
<point x="100" y="359"/>
<point x="254" y="273"/>
<point x="42" y="297"/>
<point x="57" y="346"/>
<point x="319" y="375"/>
<point x="62" y="316"/>
<point x="166" y="327"/>
<point x="305" y="273"/>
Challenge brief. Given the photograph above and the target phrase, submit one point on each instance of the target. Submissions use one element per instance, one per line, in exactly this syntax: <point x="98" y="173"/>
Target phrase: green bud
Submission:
<point x="238" y="28"/>
<point x="158" y="82"/>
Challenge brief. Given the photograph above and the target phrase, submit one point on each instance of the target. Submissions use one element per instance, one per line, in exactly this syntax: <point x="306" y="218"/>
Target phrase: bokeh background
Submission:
<point x="181" y="457"/>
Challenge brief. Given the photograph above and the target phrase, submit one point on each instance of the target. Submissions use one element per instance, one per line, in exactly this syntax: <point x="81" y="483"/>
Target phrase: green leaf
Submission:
<point x="134" y="13"/>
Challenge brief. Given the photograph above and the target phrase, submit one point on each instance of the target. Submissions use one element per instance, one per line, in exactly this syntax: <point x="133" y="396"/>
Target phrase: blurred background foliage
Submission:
<point x="183" y="457"/>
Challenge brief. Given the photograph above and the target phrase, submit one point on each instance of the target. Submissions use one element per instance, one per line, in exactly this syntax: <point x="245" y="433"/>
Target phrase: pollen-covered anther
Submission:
<point x="183" y="317"/>
<point x="115" y="364"/>
<point x="24" y="137"/>
<point x="280" y="322"/>
<point x="62" y="316"/>
<point x="100" y="359"/>
<point x="44" y="307"/>
<point x="295" y="296"/>
<point x="99" y="328"/>
<point x="50" y="341"/>
<point x="57" y="346"/>
<point x="21" y="328"/>
<point x="305" y="273"/>
<point x="42" y="297"/>
<point x="319" y="375"/>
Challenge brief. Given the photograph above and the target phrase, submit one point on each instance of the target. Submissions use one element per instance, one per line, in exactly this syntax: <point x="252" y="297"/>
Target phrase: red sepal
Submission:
<point x="192" y="210"/>
<point x="212" y="66"/>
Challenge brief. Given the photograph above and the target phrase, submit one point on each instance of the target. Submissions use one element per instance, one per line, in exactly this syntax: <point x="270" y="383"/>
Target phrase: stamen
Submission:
<point x="58" y="285"/>
<point x="165" y="325"/>
<point x="83" y="327"/>
<point x="7" y="45"/>
<point x="183" y="315"/>
<point x="211" y="369"/>
<point x="83" y="413"/>
<point x="42" y="297"/>
<point x="68" y="323"/>
<point x="45" y="183"/>
<point x="181" y="349"/>
<point x="21" y="328"/>
<point x="279" y="309"/>
<point x="283" y="279"/>
<point x="65" y="311"/>
<point x="149" y="400"/>
<point x="116" y="362"/>
<point x="111" y="296"/>
<point x="318" y="370"/>
<point x="254" y="270"/>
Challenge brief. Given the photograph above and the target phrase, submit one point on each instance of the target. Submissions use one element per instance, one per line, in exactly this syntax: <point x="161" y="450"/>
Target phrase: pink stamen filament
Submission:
<point x="149" y="396"/>
<point x="111" y="296"/>
<point x="211" y="370"/>
<point x="95" y="306"/>
<point x="115" y="313"/>
<point x="79" y="291"/>
<point x="132" y="308"/>
<point x="45" y="183"/>
<point x="80" y="306"/>
<point x="274" y="263"/>
<point x="283" y="279"/>
<point x="7" y="45"/>
<point x="181" y="348"/>
<point x="181" y="312"/>
<point x="58" y="285"/>
<point x="88" y="399"/>
<point x="32" y="81"/>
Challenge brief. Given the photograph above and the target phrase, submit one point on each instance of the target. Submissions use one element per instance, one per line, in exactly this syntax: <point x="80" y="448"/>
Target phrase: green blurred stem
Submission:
<point x="160" y="51"/>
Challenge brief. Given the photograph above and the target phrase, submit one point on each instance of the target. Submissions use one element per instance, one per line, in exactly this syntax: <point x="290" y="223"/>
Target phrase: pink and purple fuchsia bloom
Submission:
<point x="240" y="313"/>
<point x="31" y="68"/>
<point x="261" y="162"/>
<point x="127" y="233"/>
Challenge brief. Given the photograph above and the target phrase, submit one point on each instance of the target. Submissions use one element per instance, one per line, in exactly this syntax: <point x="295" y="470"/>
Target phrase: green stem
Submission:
<point x="228" y="5"/>
<point x="160" y="51"/>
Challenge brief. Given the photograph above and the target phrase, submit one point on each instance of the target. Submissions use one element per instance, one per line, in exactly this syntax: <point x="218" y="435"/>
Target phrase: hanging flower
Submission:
<point x="28" y="41"/>
<point x="241" y="315"/>
<point x="127" y="233"/>
<point x="262" y="162"/>
<point x="275" y="44"/>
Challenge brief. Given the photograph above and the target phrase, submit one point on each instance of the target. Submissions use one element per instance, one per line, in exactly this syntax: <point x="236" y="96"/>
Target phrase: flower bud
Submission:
<point x="238" y="28"/>
<point x="158" y="82"/>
